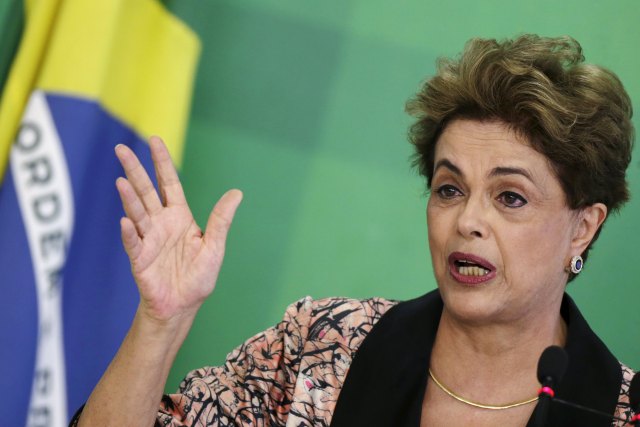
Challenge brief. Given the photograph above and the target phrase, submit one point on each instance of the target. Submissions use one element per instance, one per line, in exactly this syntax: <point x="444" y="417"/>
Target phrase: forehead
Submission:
<point x="490" y="144"/>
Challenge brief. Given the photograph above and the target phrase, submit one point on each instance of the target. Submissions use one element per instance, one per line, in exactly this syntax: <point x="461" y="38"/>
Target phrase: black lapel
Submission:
<point x="388" y="376"/>
<point x="593" y="378"/>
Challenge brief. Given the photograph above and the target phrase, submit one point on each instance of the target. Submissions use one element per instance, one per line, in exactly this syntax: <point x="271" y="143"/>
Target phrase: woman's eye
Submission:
<point x="512" y="200"/>
<point x="448" y="191"/>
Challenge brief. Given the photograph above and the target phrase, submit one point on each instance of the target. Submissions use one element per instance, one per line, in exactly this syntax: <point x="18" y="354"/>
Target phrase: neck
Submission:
<point x="493" y="363"/>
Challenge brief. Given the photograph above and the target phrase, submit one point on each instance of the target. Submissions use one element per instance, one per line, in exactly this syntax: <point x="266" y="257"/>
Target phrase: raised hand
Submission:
<point x="174" y="264"/>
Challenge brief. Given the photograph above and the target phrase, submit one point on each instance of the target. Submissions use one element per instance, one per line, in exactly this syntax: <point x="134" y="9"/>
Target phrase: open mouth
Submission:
<point x="469" y="268"/>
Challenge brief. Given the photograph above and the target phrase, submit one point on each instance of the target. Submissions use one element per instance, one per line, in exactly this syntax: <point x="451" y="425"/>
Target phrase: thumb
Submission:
<point x="220" y="219"/>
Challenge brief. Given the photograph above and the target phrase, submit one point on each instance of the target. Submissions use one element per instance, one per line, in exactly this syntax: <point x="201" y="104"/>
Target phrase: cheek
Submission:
<point x="538" y="247"/>
<point x="433" y="224"/>
<point x="441" y="220"/>
<point x="554" y="236"/>
<point x="439" y="230"/>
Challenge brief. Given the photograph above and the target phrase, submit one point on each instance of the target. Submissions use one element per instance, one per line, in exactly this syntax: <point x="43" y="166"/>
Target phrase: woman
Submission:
<point x="524" y="149"/>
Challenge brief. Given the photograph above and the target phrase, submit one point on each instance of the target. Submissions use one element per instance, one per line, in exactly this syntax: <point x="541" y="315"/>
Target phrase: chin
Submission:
<point x="471" y="304"/>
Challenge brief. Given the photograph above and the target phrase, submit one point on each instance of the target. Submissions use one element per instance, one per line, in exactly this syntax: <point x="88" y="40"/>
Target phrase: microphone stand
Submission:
<point x="591" y="410"/>
<point x="545" y="395"/>
<point x="551" y="368"/>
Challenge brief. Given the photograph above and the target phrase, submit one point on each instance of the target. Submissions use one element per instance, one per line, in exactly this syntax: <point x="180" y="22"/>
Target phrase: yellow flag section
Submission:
<point x="133" y="56"/>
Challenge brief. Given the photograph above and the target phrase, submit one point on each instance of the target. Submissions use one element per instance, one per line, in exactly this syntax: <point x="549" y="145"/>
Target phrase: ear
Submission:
<point x="589" y="220"/>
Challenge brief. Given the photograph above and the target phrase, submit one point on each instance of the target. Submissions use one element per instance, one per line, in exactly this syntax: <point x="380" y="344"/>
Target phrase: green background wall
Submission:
<point x="300" y="105"/>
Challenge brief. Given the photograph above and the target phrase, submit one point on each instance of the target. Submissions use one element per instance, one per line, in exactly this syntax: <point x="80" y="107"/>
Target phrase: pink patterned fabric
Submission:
<point x="289" y="375"/>
<point x="624" y="410"/>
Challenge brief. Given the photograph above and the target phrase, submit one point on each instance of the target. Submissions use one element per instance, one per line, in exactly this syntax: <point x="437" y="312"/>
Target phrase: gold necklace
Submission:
<point x="479" y="405"/>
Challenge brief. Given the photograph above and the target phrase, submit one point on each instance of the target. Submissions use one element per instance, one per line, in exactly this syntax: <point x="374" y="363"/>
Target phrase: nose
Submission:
<point x="472" y="219"/>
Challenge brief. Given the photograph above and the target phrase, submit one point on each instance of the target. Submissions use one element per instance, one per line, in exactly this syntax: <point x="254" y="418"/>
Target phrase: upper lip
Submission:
<point x="460" y="256"/>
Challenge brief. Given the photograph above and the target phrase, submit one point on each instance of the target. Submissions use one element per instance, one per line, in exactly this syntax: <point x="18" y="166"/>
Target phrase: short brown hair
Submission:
<point x="578" y="115"/>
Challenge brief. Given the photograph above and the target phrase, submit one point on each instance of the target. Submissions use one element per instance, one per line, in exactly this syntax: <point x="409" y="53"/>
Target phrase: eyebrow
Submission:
<point x="447" y="164"/>
<point x="498" y="171"/>
<point x="502" y="171"/>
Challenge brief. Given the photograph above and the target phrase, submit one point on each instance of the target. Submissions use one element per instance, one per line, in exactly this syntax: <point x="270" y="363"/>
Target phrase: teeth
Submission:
<point x="473" y="271"/>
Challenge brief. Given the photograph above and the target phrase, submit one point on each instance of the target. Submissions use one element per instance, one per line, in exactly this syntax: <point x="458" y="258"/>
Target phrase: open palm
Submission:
<point x="174" y="264"/>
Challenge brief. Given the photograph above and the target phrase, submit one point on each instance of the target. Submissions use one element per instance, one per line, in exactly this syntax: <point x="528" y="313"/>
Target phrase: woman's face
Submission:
<point x="500" y="231"/>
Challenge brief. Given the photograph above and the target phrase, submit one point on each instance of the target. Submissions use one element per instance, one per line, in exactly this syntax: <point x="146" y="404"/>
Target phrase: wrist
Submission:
<point x="170" y="318"/>
<point x="165" y="335"/>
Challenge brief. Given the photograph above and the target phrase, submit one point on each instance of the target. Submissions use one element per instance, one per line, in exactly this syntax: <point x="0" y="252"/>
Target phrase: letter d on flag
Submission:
<point x="88" y="75"/>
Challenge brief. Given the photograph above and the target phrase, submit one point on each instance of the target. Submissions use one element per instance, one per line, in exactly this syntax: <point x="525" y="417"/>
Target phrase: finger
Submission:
<point x="130" y="239"/>
<point x="139" y="179"/>
<point x="133" y="206"/>
<point x="220" y="219"/>
<point x="168" y="180"/>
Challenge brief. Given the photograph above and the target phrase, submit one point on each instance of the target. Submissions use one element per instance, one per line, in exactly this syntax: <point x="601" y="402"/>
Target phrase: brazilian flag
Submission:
<point x="77" y="78"/>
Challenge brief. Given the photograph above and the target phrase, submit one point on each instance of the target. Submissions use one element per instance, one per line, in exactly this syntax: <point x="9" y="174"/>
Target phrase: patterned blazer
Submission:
<point x="345" y="362"/>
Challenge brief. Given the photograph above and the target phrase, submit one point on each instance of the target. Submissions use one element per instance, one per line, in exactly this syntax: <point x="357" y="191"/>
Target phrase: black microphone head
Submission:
<point x="552" y="365"/>
<point x="634" y="392"/>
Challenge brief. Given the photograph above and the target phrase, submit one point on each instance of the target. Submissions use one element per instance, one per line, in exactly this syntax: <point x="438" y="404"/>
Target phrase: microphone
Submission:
<point x="551" y="368"/>
<point x="634" y="399"/>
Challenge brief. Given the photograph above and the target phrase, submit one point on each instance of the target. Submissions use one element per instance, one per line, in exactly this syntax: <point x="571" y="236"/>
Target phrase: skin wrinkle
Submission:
<point x="576" y="114"/>
<point x="487" y="217"/>
<point x="493" y="331"/>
